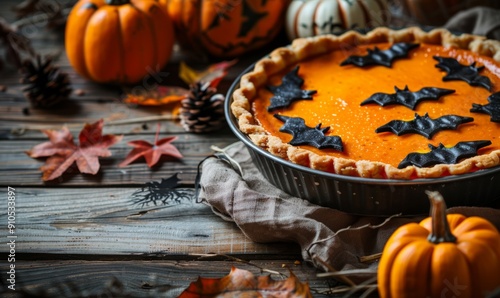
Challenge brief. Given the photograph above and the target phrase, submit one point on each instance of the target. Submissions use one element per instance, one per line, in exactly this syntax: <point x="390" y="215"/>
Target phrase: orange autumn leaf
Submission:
<point x="242" y="283"/>
<point x="165" y="95"/>
<point x="62" y="151"/>
<point x="151" y="152"/>
<point x="213" y="74"/>
<point x="161" y="95"/>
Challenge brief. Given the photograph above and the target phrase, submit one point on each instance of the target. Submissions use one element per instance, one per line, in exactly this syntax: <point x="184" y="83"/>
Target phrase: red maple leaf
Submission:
<point x="63" y="152"/>
<point x="151" y="152"/>
<point x="242" y="283"/>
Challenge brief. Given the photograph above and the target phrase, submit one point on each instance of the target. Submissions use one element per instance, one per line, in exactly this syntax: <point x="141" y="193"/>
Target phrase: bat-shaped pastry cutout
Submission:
<point x="289" y="91"/>
<point x="492" y="108"/>
<point x="385" y="58"/>
<point x="406" y="97"/>
<point x="467" y="73"/>
<point x="424" y="125"/>
<point x="443" y="155"/>
<point x="305" y="135"/>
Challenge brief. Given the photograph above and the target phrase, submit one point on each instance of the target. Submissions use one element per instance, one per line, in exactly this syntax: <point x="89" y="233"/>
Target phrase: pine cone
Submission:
<point x="47" y="84"/>
<point x="202" y="110"/>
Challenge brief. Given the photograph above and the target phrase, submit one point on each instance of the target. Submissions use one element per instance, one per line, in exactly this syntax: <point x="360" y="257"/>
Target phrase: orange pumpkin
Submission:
<point x="226" y="28"/>
<point x="443" y="256"/>
<point x="118" y="41"/>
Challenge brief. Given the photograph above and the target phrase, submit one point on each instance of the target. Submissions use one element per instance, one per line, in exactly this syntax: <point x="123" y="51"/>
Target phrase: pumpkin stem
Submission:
<point x="117" y="2"/>
<point x="440" y="229"/>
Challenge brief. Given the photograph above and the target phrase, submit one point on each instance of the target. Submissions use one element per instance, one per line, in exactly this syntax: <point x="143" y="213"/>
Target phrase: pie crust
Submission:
<point x="282" y="59"/>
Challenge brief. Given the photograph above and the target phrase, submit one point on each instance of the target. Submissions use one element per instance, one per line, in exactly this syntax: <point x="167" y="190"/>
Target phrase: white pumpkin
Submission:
<point x="305" y="18"/>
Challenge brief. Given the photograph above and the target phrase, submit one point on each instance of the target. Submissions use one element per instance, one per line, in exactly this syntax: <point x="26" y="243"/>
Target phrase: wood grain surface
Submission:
<point x="114" y="222"/>
<point x="97" y="235"/>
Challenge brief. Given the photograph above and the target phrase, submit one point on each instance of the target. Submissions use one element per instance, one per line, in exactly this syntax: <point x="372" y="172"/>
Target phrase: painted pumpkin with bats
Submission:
<point x="226" y="28"/>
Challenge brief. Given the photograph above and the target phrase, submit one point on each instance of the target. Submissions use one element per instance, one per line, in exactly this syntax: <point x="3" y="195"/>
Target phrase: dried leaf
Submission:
<point x="151" y="152"/>
<point x="161" y="95"/>
<point x="213" y="74"/>
<point x="62" y="152"/>
<point x="165" y="95"/>
<point x="50" y="14"/>
<point x="17" y="45"/>
<point x="242" y="283"/>
<point x="25" y="8"/>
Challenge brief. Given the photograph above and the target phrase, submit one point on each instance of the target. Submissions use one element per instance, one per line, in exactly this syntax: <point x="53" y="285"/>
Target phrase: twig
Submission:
<point x="21" y="130"/>
<point x="143" y="119"/>
<point x="231" y="160"/>
<point x="347" y="272"/>
<point x="351" y="287"/>
<point x="350" y="290"/>
<point x="368" y="291"/>
<point x="350" y="228"/>
<point x="367" y="285"/>
<point x="341" y="277"/>
<point x="41" y="18"/>
<point x="370" y="258"/>
<point x="41" y="13"/>
<point x="17" y="44"/>
<point x="212" y="255"/>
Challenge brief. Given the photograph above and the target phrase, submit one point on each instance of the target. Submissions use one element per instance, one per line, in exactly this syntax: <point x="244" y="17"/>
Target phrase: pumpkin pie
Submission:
<point x="390" y="104"/>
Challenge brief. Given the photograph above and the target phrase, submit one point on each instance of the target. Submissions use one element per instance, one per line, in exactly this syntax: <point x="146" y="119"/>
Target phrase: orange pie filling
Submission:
<point x="340" y="90"/>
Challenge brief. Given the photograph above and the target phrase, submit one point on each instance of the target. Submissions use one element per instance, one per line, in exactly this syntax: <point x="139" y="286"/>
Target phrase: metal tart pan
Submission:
<point x="366" y="196"/>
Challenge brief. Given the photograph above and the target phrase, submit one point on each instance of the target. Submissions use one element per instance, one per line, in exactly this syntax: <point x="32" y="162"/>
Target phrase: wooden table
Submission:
<point x="86" y="234"/>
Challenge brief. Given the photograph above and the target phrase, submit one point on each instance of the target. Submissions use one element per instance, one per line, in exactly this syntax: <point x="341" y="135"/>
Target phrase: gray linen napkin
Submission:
<point x="264" y="213"/>
<point x="478" y="20"/>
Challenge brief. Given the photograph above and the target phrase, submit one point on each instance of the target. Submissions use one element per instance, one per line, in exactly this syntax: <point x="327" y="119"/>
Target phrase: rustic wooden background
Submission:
<point x="83" y="234"/>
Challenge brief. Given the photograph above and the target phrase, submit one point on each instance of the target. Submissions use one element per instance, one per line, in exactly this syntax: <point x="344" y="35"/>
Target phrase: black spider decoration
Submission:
<point x="424" y="125"/>
<point x="457" y="71"/>
<point x="406" y="97"/>
<point x="289" y="91"/>
<point x="492" y="108"/>
<point x="162" y="193"/>
<point x="384" y="58"/>
<point x="443" y="155"/>
<point x="305" y="135"/>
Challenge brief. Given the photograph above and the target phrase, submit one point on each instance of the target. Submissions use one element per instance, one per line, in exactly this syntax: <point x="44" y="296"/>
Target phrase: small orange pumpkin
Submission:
<point x="118" y="41"/>
<point x="442" y="256"/>
<point x="226" y="28"/>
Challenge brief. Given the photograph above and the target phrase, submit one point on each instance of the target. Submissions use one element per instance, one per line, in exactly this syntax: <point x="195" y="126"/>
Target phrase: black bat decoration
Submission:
<point x="424" y="125"/>
<point x="492" y="108"/>
<point x="289" y="91"/>
<point x="406" y="97"/>
<point x="377" y="57"/>
<point x="443" y="155"/>
<point x="305" y="135"/>
<point x="458" y="71"/>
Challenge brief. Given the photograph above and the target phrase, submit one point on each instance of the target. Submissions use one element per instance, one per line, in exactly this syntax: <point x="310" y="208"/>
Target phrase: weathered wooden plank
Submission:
<point x="144" y="278"/>
<point x="18" y="169"/>
<point x="130" y="132"/>
<point x="16" y="115"/>
<point x="118" y="119"/>
<point x="114" y="221"/>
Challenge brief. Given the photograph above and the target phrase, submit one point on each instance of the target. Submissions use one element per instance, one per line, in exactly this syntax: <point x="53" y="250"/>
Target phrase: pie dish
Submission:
<point x="346" y="104"/>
